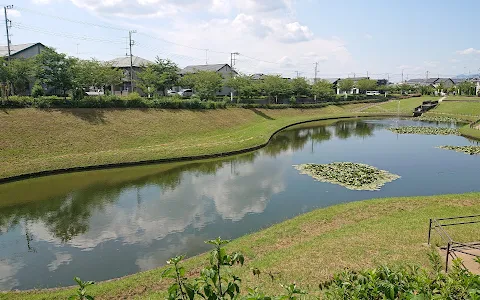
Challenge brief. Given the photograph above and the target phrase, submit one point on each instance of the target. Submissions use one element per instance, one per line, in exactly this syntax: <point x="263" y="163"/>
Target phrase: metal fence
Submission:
<point x="453" y="247"/>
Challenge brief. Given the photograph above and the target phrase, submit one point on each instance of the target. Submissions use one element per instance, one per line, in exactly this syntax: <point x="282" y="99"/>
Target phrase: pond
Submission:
<point x="105" y="224"/>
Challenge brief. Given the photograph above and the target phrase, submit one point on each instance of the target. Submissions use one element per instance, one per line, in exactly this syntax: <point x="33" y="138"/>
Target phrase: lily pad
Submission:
<point x="425" y="130"/>
<point x="353" y="176"/>
<point x="440" y="119"/>
<point x="472" y="150"/>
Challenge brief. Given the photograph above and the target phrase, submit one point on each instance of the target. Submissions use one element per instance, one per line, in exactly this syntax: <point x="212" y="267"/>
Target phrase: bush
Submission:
<point x="37" y="90"/>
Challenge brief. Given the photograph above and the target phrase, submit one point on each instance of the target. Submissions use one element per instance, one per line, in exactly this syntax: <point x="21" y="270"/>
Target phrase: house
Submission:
<point x="419" y="81"/>
<point x="123" y="63"/>
<point x="353" y="90"/>
<point x="223" y="70"/>
<point x="435" y="82"/>
<point x="22" y="50"/>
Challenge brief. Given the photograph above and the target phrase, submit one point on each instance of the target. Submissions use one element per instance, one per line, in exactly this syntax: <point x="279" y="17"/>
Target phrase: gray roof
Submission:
<point x="258" y="76"/>
<point x="196" y="68"/>
<point x="458" y="80"/>
<point x="124" y="62"/>
<point x="16" y="48"/>
<point x="331" y="80"/>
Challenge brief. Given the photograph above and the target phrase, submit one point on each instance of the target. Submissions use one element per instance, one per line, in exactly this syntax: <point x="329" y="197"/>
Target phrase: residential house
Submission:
<point x="223" y="70"/>
<point x="22" y="50"/>
<point x="123" y="63"/>
<point x="435" y="82"/>
<point x="353" y="90"/>
<point x="418" y="81"/>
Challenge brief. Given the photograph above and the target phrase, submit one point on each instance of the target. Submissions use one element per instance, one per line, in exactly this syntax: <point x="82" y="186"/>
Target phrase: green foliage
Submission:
<point x="217" y="281"/>
<point x="204" y="83"/>
<point x="55" y="70"/>
<point x="276" y="87"/>
<point x="323" y="89"/>
<point x="244" y="86"/>
<point x="425" y="130"/>
<point x="426" y="89"/>
<point x="366" y="85"/>
<point x="405" y="283"/>
<point x="467" y="88"/>
<point x="300" y="87"/>
<point x="156" y="78"/>
<point x="82" y="290"/>
<point x="21" y="70"/>
<point x="37" y="90"/>
<point x="346" y="85"/>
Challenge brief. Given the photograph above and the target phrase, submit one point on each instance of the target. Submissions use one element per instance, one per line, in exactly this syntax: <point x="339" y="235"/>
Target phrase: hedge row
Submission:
<point x="304" y="106"/>
<point x="109" y="102"/>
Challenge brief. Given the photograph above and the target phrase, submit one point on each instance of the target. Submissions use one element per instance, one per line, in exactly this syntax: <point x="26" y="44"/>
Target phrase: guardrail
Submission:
<point x="453" y="246"/>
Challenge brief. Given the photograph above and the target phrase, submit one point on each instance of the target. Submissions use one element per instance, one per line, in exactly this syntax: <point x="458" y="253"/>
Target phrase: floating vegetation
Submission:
<point x="440" y="119"/>
<point x="353" y="176"/>
<point x="472" y="150"/>
<point x="424" y="130"/>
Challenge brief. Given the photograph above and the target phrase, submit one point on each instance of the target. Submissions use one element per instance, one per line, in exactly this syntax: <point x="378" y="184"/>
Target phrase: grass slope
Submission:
<point x="311" y="247"/>
<point x="33" y="140"/>
<point x="402" y="106"/>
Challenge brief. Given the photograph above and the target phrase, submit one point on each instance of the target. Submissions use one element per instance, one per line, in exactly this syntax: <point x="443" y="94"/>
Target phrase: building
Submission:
<point x="123" y="63"/>
<point x="22" y="50"/>
<point x="223" y="70"/>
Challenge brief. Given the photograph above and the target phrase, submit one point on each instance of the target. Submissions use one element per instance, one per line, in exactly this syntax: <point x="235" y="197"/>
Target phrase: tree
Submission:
<point x="275" y="86"/>
<point x="366" y="85"/>
<point x="244" y="86"/>
<point x="467" y="88"/>
<point x="21" y="72"/>
<point x="323" y="89"/>
<point x="167" y="74"/>
<point x="426" y="90"/>
<point x="300" y="87"/>
<point x="55" y="70"/>
<point x="111" y="76"/>
<point x="204" y="83"/>
<point x="345" y="85"/>
<point x="147" y="80"/>
<point x="5" y="76"/>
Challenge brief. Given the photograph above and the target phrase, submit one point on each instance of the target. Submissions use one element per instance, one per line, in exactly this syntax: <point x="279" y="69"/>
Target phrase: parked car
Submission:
<point x="186" y="93"/>
<point x="373" y="93"/>
<point x="171" y="93"/>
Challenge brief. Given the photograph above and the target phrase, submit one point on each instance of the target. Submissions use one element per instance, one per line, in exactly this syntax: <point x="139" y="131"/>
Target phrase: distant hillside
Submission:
<point x="463" y="76"/>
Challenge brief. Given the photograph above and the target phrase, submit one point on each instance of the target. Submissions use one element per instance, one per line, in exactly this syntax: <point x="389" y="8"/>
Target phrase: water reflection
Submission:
<point x="141" y="216"/>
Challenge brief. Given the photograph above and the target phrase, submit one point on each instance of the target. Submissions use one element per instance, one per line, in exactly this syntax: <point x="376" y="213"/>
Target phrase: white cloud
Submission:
<point x="431" y="64"/>
<point x="60" y="259"/>
<point x="468" y="51"/>
<point x="368" y="36"/>
<point x="14" y="13"/>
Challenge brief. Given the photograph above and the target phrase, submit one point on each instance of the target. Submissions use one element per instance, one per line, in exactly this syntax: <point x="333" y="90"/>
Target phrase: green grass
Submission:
<point x="402" y="106"/>
<point x="462" y="98"/>
<point x="311" y="247"/>
<point x="469" y="109"/>
<point x="33" y="140"/>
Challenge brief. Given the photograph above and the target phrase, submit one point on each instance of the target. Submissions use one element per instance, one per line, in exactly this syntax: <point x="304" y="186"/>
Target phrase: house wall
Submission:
<point x="226" y="73"/>
<point x="30" y="52"/>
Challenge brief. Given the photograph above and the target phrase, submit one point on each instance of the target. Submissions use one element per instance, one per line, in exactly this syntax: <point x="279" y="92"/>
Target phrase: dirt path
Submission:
<point x="441" y="99"/>
<point x="467" y="260"/>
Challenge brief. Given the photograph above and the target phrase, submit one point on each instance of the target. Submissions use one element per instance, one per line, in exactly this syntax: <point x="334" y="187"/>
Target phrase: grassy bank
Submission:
<point x="34" y="140"/>
<point x="311" y="247"/>
<point x="401" y="106"/>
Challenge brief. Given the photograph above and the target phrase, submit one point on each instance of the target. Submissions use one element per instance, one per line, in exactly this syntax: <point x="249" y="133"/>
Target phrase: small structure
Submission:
<point x="22" y="50"/>
<point x="426" y="106"/>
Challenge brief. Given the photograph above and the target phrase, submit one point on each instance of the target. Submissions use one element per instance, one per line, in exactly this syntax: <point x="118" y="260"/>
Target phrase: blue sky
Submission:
<point x="345" y="37"/>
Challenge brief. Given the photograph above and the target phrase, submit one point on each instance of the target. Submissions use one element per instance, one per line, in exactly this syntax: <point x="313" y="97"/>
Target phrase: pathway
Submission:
<point x="441" y="99"/>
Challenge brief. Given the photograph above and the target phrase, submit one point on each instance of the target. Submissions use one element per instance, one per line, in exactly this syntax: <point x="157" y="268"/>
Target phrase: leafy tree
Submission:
<point x="111" y="76"/>
<point x="55" y="70"/>
<point x="244" y="86"/>
<point x="5" y="76"/>
<point x="323" y="89"/>
<point x="275" y="86"/>
<point x="346" y="85"/>
<point x="167" y="74"/>
<point x="467" y="88"/>
<point x="366" y="85"/>
<point x="204" y="83"/>
<point x="37" y="90"/>
<point x="21" y="72"/>
<point x="300" y="87"/>
<point x="426" y="90"/>
<point x="147" y="80"/>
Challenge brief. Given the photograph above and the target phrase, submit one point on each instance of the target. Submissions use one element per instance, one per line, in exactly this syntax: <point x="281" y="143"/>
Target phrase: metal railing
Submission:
<point x="453" y="246"/>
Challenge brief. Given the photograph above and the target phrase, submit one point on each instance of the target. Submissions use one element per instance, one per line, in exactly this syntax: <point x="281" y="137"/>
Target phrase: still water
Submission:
<point x="105" y="224"/>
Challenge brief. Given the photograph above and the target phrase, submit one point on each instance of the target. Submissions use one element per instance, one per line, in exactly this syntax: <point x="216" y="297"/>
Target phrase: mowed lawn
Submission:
<point x="462" y="98"/>
<point x="464" y="108"/>
<point x="33" y="140"/>
<point x="312" y="247"/>
<point x="402" y="106"/>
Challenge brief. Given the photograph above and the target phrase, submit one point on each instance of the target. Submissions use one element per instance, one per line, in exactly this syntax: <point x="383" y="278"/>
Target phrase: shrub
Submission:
<point x="37" y="90"/>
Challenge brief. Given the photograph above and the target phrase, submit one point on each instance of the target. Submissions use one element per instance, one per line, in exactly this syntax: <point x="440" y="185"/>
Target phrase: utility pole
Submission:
<point x="206" y="56"/>
<point x="316" y="70"/>
<point x="232" y="64"/>
<point x="8" y="24"/>
<point x="426" y="73"/>
<point x="131" y="43"/>
<point x="402" y="75"/>
<point x="297" y="73"/>
<point x="367" y="75"/>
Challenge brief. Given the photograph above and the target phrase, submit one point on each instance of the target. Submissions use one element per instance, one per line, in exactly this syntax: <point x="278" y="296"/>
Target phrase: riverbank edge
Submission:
<point x="191" y="262"/>
<point x="188" y="158"/>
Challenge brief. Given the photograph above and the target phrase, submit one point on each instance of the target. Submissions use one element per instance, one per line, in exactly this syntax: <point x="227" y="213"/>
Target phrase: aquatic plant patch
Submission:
<point x="424" y="130"/>
<point x="472" y="150"/>
<point x="440" y="119"/>
<point x="353" y="176"/>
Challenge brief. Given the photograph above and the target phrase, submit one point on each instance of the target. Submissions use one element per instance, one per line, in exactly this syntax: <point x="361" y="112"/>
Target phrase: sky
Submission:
<point x="346" y="38"/>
